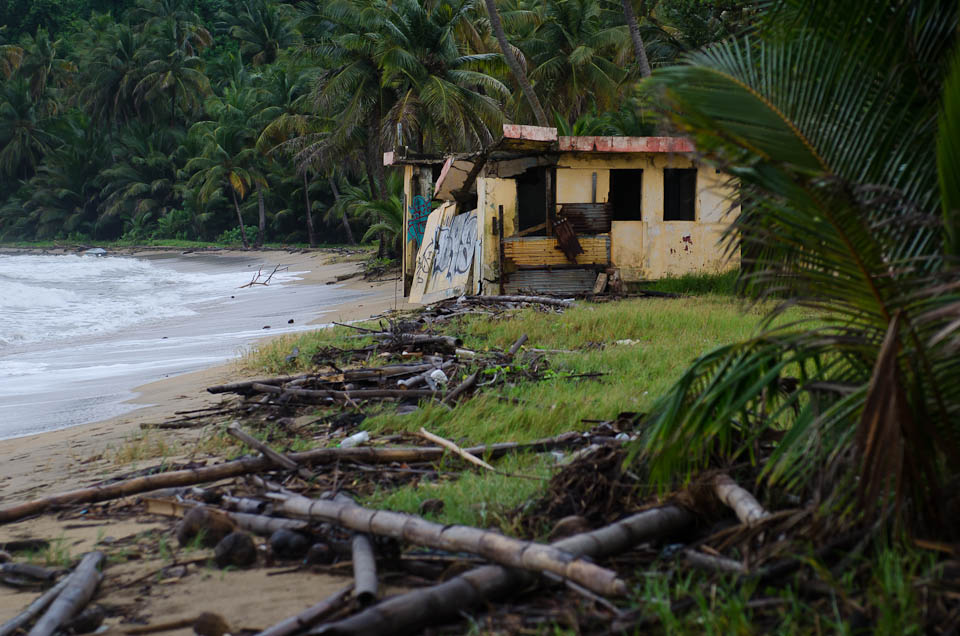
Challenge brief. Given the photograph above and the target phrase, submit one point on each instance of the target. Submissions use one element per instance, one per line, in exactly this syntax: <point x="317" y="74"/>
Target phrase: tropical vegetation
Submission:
<point x="192" y="119"/>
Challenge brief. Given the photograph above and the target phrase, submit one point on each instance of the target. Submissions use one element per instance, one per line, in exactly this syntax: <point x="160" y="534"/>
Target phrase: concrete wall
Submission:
<point x="652" y="248"/>
<point x="492" y="193"/>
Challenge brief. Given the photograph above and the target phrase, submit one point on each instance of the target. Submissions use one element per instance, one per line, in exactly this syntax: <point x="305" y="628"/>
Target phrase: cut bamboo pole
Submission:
<point x="747" y="508"/>
<point x="75" y="595"/>
<point x="436" y="439"/>
<point x="490" y="545"/>
<point x="278" y="458"/>
<point x="364" y="570"/>
<point x="34" y="609"/>
<point x="410" y="612"/>
<point x="309" y="616"/>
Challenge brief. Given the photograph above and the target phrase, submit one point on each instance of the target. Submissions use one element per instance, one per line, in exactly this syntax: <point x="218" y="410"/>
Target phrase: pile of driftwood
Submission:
<point x="275" y="514"/>
<point x="602" y="522"/>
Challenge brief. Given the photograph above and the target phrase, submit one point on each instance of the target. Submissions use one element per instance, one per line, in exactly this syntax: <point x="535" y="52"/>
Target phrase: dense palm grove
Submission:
<point x="193" y="118"/>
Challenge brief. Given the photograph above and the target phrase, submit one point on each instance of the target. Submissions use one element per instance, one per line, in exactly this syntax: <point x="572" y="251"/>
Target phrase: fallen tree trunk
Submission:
<point x="537" y="300"/>
<point x="490" y="545"/>
<point x="307" y="617"/>
<point x="236" y="468"/>
<point x="408" y="613"/>
<point x="75" y="595"/>
<point x="747" y="508"/>
<point x="34" y="609"/>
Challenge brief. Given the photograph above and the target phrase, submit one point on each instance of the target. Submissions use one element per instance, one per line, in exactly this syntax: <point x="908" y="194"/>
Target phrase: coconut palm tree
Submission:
<point x="10" y="56"/>
<point x="263" y="28"/>
<point x="444" y="100"/>
<point x="579" y="56"/>
<point x="836" y="120"/>
<point x="25" y="135"/>
<point x="516" y="70"/>
<point x="229" y="162"/>
<point x="172" y="74"/>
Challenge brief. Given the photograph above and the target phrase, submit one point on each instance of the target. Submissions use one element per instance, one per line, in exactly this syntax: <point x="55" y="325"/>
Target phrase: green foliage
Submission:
<point x="845" y="219"/>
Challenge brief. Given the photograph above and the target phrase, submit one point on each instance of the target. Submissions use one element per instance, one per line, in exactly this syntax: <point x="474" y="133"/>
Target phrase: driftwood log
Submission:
<point x="34" y="609"/>
<point x="408" y="613"/>
<point x="354" y="394"/>
<point x="309" y="616"/>
<point x="747" y="508"/>
<point x="78" y="591"/>
<point x="496" y="547"/>
<point x="236" y="468"/>
<point x="278" y="458"/>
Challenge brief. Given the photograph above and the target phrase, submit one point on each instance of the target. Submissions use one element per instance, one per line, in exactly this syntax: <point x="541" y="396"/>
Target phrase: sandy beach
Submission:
<point x="37" y="465"/>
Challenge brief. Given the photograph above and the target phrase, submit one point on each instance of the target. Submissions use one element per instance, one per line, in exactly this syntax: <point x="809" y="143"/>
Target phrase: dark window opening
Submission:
<point x="532" y="200"/>
<point x="626" y="190"/>
<point x="679" y="194"/>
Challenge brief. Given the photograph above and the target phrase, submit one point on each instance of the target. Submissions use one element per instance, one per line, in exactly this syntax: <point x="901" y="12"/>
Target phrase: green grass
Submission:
<point x="667" y="335"/>
<point x="697" y="284"/>
<point x="479" y="499"/>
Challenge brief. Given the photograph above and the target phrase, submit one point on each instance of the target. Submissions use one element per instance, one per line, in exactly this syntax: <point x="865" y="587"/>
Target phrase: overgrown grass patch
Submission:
<point x="475" y="498"/>
<point x="724" y="284"/>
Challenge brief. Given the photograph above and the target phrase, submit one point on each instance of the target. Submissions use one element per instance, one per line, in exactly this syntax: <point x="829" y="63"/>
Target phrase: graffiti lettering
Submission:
<point x="419" y="212"/>
<point x="455" y="246"/>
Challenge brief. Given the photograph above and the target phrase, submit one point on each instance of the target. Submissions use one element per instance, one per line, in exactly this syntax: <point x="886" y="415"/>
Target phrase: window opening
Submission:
<point x="679" y="194"/>
<point x="626" y="191"/>
<point x="532" y="200"/>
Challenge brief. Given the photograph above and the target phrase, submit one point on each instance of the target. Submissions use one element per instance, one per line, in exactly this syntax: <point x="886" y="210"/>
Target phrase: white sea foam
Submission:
<point x="78" y="334"/>
<point x="58" y="298"/>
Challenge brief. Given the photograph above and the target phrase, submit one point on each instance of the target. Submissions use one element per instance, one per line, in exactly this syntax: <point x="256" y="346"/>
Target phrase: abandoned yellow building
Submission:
<point x="540" y="213"/>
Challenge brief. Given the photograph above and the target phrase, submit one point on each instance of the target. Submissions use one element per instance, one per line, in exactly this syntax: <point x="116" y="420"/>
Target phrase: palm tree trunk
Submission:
<point x="343" y="211"/>
<point x="263" y="216"/>
<point x="518" y="74"/>
<point x="639" y="50"/>
<point x="306" y="197"/>
<point x="243" y="230"/>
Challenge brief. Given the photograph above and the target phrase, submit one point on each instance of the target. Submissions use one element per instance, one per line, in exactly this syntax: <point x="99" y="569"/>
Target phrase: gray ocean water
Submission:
<point x="79" y="333"/>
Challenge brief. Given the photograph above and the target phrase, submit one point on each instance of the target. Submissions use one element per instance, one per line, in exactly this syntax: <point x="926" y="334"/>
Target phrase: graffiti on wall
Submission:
<point x="419" y="212"/>
<point x="444" y="263"/>
<point x="456" y="244"/>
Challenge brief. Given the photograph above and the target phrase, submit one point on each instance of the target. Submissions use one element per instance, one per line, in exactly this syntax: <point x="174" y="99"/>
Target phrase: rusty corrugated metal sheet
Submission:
<point x="588" y="218"/>
<point x="560" y="282"/>
<point x="544" y="250"/>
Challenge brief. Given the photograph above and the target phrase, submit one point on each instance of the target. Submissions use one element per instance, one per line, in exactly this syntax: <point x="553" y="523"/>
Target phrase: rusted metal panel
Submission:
<point x="567" y="239"/>
<point x="544" y="250"/>
<point x="588" y="218"/>
<point x="624" y="144"/>
<point x="558" y="282"/>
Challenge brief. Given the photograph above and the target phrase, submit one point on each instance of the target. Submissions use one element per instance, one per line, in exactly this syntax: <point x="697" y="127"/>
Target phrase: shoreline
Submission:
<point x="48" y="461"/>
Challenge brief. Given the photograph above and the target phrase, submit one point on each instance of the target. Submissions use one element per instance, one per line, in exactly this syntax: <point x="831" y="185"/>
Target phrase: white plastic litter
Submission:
<point x="355" y="439"/>
<point x="439" y="376"/>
